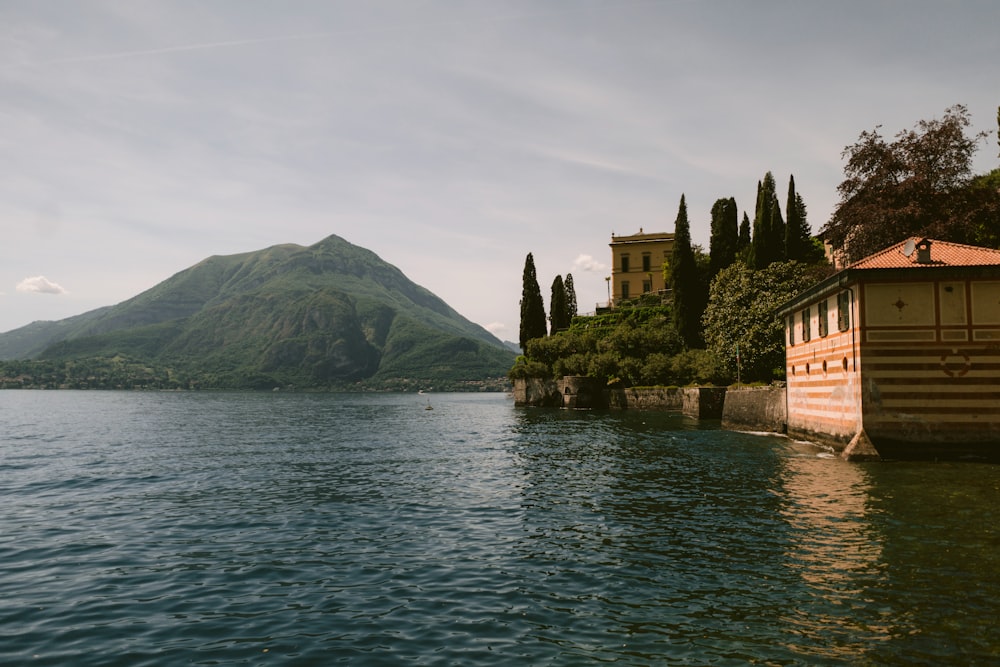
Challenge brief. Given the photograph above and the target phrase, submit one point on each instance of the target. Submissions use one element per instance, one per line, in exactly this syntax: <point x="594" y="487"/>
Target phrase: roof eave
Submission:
<point x="845" y="278"/>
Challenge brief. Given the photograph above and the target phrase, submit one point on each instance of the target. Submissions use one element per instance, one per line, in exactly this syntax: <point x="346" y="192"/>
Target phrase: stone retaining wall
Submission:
<point x="755" y="409"/>
<point x="583" y="392"/>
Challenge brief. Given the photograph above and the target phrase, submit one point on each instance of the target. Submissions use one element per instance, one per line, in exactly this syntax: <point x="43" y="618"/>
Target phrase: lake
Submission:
<point x="143" y="528"/>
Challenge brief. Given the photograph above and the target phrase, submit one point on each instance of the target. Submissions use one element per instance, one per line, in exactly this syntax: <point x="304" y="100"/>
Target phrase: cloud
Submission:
<point x="588" y="263"/>
<point x="496" y="328"/>
<point x="41" y="285"/>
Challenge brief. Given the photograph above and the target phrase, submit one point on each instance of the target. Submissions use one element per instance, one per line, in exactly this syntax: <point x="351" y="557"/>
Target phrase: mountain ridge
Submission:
<point x="329" y="314"/>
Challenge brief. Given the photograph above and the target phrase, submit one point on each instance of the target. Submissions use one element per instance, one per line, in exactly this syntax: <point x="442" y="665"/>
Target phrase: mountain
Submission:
<point x="328" y="315"/>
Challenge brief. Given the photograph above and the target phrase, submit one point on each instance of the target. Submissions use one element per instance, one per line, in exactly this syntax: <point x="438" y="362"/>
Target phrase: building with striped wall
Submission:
<point x="898" y="355"/>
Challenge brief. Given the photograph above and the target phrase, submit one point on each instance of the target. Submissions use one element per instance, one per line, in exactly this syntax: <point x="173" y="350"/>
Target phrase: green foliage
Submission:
<point x="920" y="184"/>
<point x="328" y="316"/>
<point x="741" y="314"/>
<point x="524" y="368"/>
<point x="743" y="245"/>
<point x="572" y="308"/>
<point x="768" y="242"/>
<point x="628" y="346"/>
<point x="559" y="317"/>
<point x="686" y="285"/>
<point x="725" y="238"/>
<point x="532" y="307"/>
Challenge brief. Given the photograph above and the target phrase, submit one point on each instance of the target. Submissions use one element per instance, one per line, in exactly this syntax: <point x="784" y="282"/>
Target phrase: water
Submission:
<point x="217" y="529"/>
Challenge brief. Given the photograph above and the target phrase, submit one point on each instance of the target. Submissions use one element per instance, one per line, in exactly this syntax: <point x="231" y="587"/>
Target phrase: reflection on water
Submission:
<point x="150" y="529"/>
<point x="835" y="549"/>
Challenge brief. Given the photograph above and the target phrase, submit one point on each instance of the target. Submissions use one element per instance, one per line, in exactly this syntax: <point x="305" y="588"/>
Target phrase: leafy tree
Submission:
<point x="983" y="204"/>
<point x="725" y="236"/>
<point x="740" y="313"/>
<point x="685" y="283"/>
<point x="916" y="185"/>
<point x="532" y="306"/>
<point x="557" y="307"/>
<point x="571" y="305"/>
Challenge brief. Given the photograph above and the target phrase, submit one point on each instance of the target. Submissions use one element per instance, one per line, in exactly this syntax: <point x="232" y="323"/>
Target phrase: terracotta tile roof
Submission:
<point x="942" y="253"/>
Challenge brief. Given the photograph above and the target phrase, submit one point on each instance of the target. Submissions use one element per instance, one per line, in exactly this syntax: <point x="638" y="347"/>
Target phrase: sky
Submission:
<point x="450" y="137"/>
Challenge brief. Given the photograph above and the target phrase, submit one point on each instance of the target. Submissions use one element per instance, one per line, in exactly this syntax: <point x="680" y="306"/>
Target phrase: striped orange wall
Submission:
<point x="931" y="361"/>
<point x="824" y="390"/>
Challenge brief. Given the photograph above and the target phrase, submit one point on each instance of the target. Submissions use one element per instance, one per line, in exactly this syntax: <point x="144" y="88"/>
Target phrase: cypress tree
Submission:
<point x="744" y="240"/>
<point x="725" y="237"/>
<point x="812" y="251"/>
<point x="557" y="307"/>
<point x="532" y="306"/>
<point x="571" y="305"/>
<point x="758" y="254"/>
<point x="684" y="282"/>
<point x="768" y="240"/>
<point x="776" y="228"/>
<point x="793" y="244"/>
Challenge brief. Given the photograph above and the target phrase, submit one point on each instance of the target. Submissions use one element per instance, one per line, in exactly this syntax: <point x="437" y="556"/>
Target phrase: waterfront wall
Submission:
<point x="647" y="398"/>
<point x="539" y="392"/>
<point x="584" y="392"/>
<point x="755" y="409"/>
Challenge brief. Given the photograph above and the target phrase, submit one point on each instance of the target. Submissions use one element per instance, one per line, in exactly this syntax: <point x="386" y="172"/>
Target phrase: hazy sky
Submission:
<point x="451" y="138"/>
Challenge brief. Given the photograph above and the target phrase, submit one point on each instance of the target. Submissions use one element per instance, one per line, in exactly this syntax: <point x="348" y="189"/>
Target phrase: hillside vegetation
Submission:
<point x="331" y="315"/>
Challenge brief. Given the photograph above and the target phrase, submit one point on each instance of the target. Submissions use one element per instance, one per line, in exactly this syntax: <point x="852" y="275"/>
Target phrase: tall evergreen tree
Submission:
<point x="768" y="242"/>
<point x="725" y="236"/>
<point x="799" y="243"/>
<point x="758" y="243"/>
<point x="744" y="240"/>
<point x="776" y="229"/>
<point x="571" y="305"/>
<point x="794" y="243"/>
<point x="557" y="307"/>
<point x="532" y="306"/>
<point x="688" y="304"/>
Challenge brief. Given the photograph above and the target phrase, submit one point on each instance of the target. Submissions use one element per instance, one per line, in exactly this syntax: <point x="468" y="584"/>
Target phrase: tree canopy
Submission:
<point x="532" y="306"/>
<point x="919" y="184"/>
<point x="685" y="283"/>
<point x="558" y="314"/>
<point x="725" y="238"/>
<point x="740" y="315"/>
<point x="572" y="309"/>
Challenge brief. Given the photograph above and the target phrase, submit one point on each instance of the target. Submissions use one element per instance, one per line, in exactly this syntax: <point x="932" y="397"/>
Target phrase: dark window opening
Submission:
<point x="843" y="311"/>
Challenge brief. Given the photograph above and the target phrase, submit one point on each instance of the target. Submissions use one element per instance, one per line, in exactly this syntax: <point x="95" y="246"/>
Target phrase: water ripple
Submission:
<point x="149" y="529"/>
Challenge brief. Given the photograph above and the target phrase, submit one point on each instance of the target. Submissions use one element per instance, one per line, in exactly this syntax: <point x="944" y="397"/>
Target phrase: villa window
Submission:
<point x="806" y="325"/>
<point x="647" y="287"/>
<point x="824" y="325"/>
<point x="646" y="261"/>
<point x="790" y="323"/>
<point x="625" y="264"/>
<point x="625" y="287"/>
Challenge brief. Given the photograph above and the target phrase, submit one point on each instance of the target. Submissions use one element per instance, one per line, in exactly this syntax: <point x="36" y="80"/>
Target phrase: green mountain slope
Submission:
<point x="328" y="315"/>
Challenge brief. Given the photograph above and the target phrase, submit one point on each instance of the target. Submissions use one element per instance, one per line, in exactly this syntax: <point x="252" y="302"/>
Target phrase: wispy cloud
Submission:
<point x="588" y="263"/>
<point x="40" y="285"/>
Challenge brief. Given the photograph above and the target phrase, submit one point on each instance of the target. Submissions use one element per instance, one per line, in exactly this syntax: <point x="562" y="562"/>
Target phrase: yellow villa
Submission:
<point x="637" y="264"/>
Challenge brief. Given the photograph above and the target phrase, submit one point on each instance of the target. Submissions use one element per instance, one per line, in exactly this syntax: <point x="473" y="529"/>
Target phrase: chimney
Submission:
<point x="924" y="252"/>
